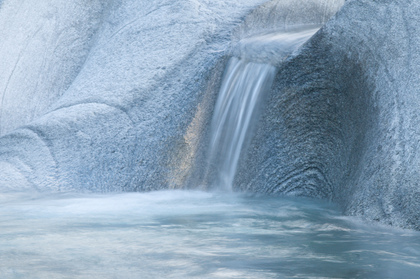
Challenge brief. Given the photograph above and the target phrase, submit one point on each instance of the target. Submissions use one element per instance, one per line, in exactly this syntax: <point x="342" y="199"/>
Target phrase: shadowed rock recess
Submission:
<point x="119" y="97"/>
<point x="342" y="121"/>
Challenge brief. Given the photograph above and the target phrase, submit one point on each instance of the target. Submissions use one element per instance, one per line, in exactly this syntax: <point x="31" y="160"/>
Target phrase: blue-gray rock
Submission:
<point x="118" y="95"/>
<point x="108" y="95"/>
<point x="342" y="121"/>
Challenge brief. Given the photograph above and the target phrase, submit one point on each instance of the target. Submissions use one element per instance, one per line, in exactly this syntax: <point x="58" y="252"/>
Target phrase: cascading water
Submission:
<point x="236" y="107"/>
<point x="244" y="85"/>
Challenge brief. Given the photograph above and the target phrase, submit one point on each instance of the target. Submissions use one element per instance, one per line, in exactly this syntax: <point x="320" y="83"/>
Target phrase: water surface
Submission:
<point x="192" y="234"/>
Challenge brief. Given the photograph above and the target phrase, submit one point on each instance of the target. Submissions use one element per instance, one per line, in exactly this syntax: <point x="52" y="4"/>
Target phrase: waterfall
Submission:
<point x="240" y="97"/>
<point x="235" y="109"/>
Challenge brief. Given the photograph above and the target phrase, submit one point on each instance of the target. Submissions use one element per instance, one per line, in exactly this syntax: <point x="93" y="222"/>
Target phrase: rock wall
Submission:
<point x="342" y="121"/>
<point x="108" y="97"/>
<point x="117" y="96"/>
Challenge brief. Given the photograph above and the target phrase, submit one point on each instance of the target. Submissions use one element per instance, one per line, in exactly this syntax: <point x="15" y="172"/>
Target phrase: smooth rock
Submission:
<point x="342" y="120"/>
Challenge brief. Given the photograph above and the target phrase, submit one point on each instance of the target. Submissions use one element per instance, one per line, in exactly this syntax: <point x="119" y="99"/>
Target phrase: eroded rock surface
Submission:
<point x="342" y="121"/>
<point x="117" y="96"/>
<point x="108" y="95"/>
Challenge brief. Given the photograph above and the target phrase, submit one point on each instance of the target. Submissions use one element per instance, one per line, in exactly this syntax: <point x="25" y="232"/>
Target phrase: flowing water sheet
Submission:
<point x="248" y="78"/>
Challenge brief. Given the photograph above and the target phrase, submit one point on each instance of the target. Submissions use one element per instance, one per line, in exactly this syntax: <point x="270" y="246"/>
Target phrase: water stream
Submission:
<point x="247" y="79"/>
<point x="236" y="107"/>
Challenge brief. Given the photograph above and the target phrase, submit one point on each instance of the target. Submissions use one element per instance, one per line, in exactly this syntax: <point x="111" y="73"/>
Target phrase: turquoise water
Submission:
<point x="192" y="234"/>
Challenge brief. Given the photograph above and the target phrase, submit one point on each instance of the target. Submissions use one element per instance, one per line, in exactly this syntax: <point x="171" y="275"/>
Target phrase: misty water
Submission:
<point x="193" y="234"/>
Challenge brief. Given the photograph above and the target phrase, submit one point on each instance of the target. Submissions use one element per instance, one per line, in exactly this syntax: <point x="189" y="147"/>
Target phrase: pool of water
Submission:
<point x="193" y="234"/>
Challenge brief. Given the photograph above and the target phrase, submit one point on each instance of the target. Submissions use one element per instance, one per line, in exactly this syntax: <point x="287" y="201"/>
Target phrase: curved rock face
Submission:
<point x="342" y="121"/>
<point x="118" y="96"/>
<point x="43" y="47"/>
<point x="108" y="97"/>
